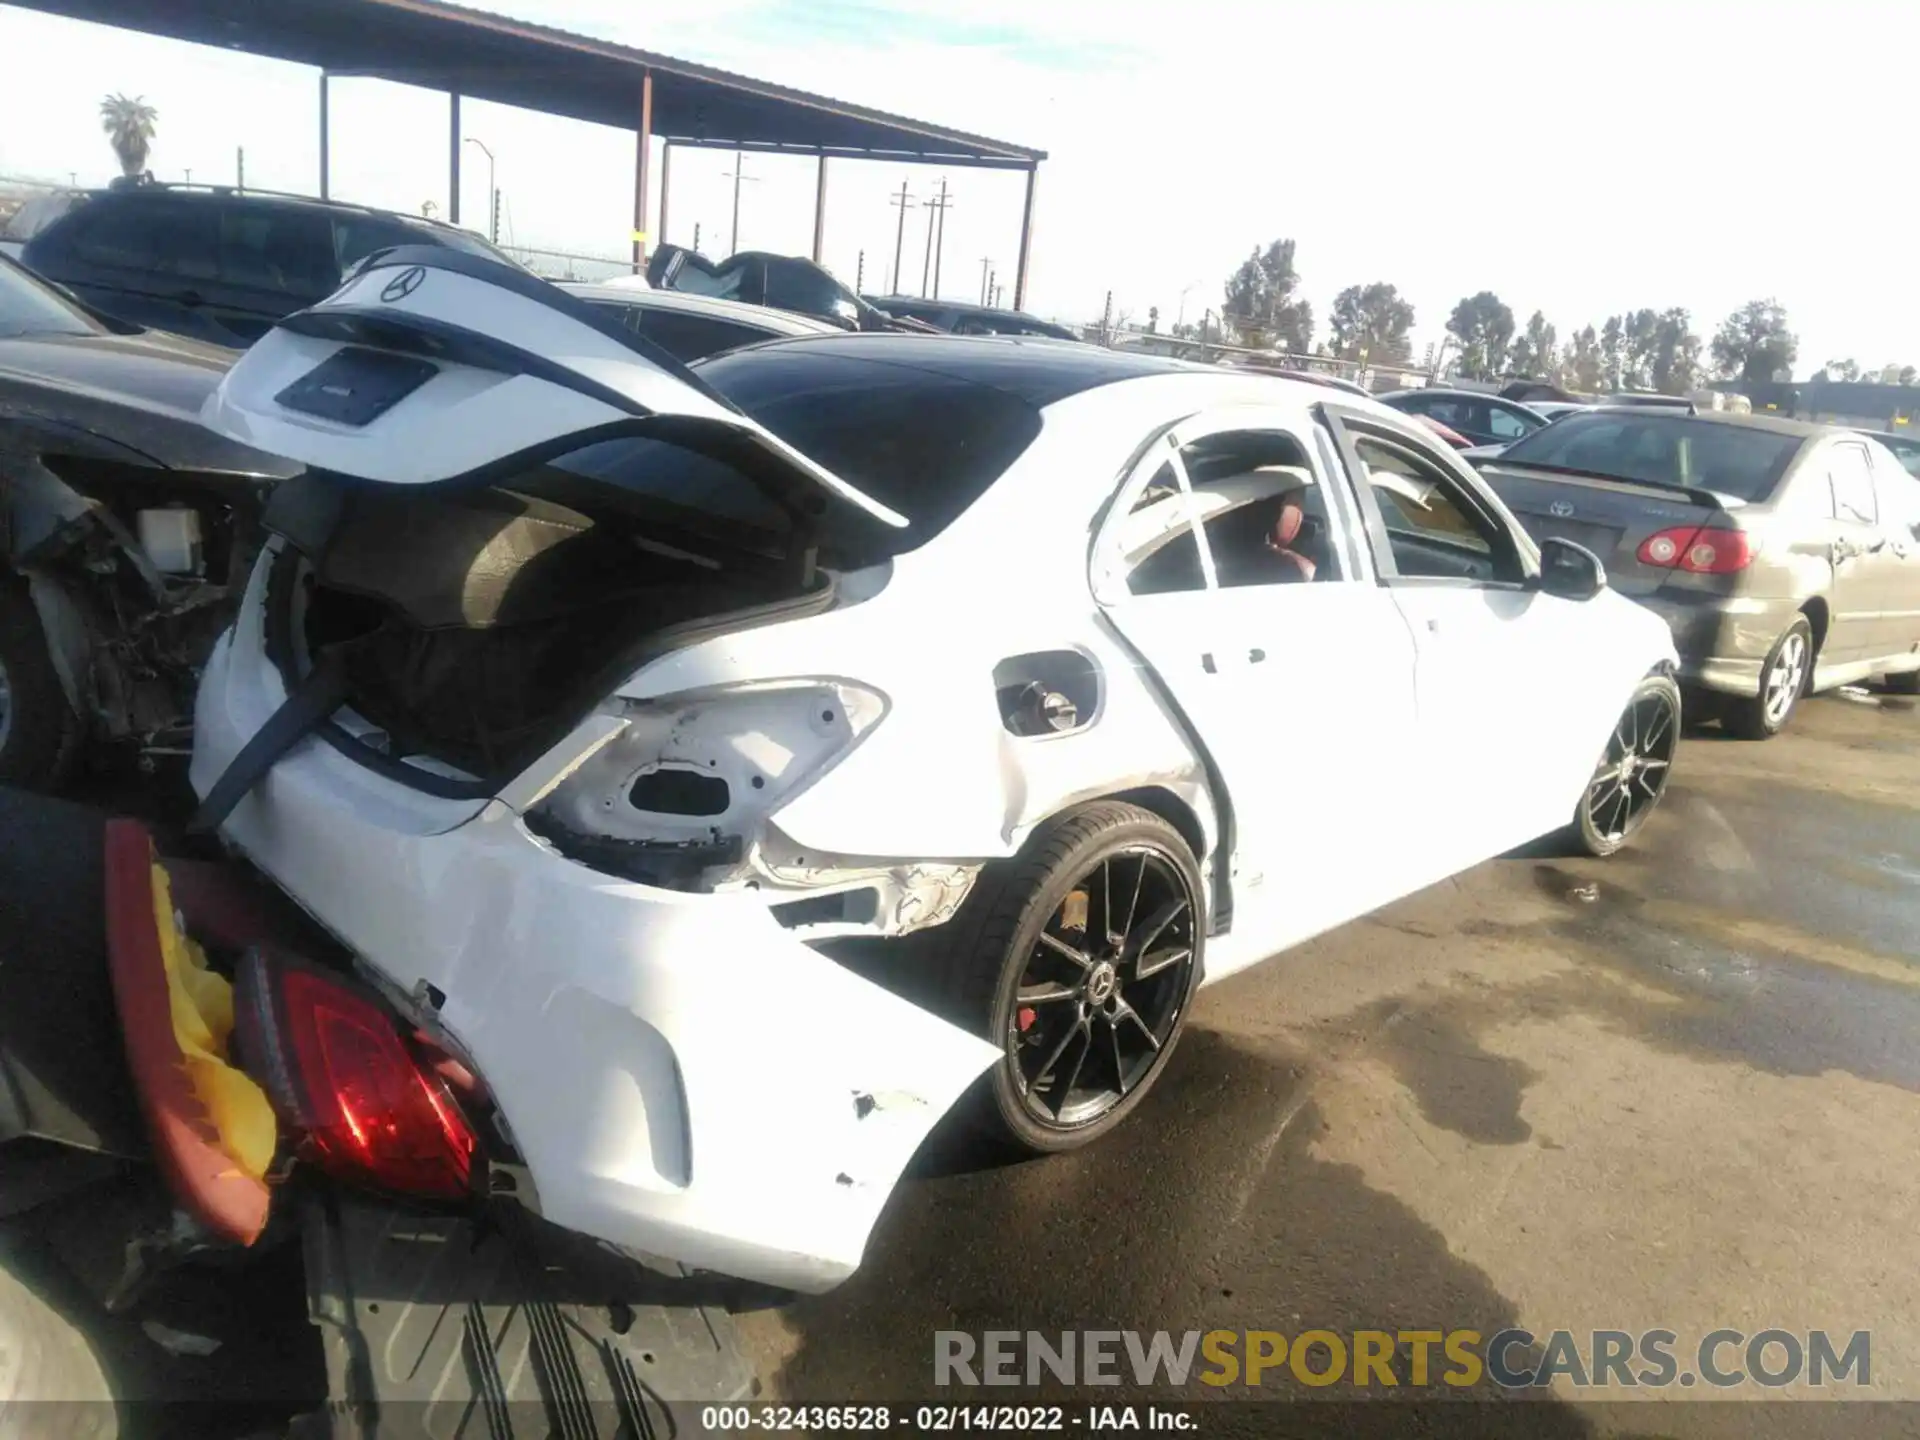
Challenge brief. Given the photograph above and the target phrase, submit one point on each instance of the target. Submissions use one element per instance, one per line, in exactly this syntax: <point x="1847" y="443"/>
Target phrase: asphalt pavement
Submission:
<point x="1678" y="1089"/>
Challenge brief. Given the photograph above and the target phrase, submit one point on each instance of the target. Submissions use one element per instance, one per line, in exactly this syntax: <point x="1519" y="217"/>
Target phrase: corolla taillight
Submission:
<point x="1698" y="550"/>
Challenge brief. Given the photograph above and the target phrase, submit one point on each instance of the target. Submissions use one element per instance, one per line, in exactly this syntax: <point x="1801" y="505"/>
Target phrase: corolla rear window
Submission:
<point x="1656" y="449"/>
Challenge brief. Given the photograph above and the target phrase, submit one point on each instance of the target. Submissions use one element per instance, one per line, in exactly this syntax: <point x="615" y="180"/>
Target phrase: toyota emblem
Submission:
<point x="1560" y="509"/>
<point x="404" y="284"/>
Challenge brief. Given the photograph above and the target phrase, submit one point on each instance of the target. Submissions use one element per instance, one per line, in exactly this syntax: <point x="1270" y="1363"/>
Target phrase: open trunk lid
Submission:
<point x="465" y="571"/>
<point x="432" y="365"/>
<point x="1612" y="518"/>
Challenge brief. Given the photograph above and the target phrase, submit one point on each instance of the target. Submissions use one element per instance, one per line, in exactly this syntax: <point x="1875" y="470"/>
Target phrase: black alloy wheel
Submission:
<point x="1634" y="769"/>
<point x="1078" y="960"/>
<point x="1102" y="988"/>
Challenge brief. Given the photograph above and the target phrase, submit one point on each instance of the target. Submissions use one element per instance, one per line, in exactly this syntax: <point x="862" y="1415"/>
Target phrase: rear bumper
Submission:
<point x="1722" y="640"/>
<point x="682" y="1077"/>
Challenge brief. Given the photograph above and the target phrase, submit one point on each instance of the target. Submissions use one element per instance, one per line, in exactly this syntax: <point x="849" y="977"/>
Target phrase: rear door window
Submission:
<point x="1851" y="476"/>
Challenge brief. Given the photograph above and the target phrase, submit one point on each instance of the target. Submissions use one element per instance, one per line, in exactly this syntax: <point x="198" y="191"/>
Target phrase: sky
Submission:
<point x="1581" y="160"/>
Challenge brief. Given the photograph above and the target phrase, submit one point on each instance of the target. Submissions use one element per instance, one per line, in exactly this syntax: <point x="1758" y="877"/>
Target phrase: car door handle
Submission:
<point x="1206" y="663"/>
<point x="1255" y="656"/>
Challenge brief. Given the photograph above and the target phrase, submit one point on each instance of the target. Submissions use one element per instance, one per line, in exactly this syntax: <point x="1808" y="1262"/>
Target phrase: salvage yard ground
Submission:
<point x="1678" y="1088"/>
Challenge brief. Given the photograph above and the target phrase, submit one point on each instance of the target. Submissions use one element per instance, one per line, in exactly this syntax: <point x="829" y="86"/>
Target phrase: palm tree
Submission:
<point x="129" y="126"/>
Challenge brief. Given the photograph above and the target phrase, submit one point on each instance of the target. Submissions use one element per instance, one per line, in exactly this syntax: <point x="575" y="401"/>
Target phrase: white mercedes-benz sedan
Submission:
<point x="736" y="768"/>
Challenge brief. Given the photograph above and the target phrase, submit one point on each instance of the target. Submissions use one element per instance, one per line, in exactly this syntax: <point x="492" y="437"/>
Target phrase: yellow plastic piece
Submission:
<point x="201" y="1001"/>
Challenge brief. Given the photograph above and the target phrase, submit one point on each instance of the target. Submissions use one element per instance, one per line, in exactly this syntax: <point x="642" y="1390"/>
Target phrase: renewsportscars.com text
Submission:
<point x="1512" y="1359"/>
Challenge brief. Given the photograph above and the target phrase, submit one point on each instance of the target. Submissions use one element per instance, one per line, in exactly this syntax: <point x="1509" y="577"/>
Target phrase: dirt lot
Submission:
<point x="1677" y="1089"/>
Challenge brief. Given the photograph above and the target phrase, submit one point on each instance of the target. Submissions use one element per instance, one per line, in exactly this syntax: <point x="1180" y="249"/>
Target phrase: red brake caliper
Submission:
<point x="1024" y="1018"/>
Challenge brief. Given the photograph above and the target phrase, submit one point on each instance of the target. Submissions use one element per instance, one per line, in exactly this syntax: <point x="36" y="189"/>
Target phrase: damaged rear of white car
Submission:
<point x="733" y="766"/>
<point x="545" y="699"/>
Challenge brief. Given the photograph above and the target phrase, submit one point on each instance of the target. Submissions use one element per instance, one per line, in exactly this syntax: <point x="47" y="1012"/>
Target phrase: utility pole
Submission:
<point x="900" y="233"/>
<point x="738" y="173"/>
<point x="1106" y="321"/>
<point x="926" y="264"/>
<point x="696" y="237"/>
<point x="240" y="167"/>
<point x="986" y="269"/>
<point x="936" y="210"/>
<point x="940" y="242"/>
<point x="860" y="275"/>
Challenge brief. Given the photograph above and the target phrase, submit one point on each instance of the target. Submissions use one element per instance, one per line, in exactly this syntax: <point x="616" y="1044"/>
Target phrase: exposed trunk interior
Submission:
<point x="476" y="625"/>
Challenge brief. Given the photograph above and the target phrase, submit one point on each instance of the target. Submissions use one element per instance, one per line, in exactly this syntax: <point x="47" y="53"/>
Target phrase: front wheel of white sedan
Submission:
<point x="1633" y="771"/>
<point x="1080" y="963"/>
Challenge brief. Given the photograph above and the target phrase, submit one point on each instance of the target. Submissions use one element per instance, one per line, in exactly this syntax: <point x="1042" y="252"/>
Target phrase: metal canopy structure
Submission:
<point x="513" y="62"/>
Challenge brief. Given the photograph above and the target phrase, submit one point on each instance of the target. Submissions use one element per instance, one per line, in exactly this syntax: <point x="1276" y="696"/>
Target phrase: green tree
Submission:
<point x="1908" y="375"/>
<point x="1842" y="370"/>
<point x="1372" y="322"/>
<point x="1483" y="324"/>
<point x="1676" y="356"/>
<point x="1262" y="304"/>
<point x="1640" y="348"/>
<point x="129" y="124"/>
<point x="1535" y="355"/>
<point x="1754" y="342"/>
<point x="1586" y="364"/>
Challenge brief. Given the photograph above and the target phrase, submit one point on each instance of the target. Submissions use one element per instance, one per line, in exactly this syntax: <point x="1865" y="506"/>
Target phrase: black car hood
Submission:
<point x="140" y="393"/>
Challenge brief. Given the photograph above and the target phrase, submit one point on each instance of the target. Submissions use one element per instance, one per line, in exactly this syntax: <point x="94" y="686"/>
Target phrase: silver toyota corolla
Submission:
<point x="1785" y="555"/>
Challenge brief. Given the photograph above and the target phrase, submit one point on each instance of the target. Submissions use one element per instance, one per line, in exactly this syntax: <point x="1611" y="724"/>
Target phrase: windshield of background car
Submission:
<point x="1651" y="448"/>
<point x="923" y="444"/>
<point x="28" y="307"/>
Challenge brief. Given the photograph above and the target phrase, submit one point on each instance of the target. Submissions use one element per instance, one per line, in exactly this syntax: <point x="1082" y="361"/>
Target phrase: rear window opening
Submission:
<point x="475" y="625"/>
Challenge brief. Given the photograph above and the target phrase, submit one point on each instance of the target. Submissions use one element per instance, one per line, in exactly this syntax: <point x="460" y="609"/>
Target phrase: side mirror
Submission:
<point x="1570" y="571"/>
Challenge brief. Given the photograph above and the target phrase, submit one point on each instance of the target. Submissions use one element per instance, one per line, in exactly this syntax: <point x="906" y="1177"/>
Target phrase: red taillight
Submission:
<point x="1699" y="550"/>
<point x="338" y="1070"/>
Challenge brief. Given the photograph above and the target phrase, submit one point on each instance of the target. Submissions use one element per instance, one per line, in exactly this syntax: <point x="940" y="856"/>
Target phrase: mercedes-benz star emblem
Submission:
<point x="404" y="284"/>
<point x="1560" y="508"/>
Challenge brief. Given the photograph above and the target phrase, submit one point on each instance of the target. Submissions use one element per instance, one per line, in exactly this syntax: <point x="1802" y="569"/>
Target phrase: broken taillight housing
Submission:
<point x="370" y="1109"/>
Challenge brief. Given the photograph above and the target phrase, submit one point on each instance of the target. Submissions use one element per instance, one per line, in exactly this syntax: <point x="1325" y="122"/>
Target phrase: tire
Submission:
<point x="39" y="732"/>
<point x="1763" y="716"/>
<point x="46" y="1365"/>
<point x="1623" y="791"/>
<point x="996" y="944"/>
<point x="1907" y="683"/>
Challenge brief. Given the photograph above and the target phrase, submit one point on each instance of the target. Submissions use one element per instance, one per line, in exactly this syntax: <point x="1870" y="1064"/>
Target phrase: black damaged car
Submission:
<point x="127" y="530"/>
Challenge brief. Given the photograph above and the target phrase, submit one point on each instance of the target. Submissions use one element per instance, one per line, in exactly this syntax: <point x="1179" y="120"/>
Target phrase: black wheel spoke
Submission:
<point x="1158" y="960"/>
<point x="1157" y="924"/>
<point x="1045" y="993"/>
<point x="1119" y="1061"/>
<point x="1066" y="951"/>
<point x="1609" y="776"/>
<point x="1127" y="1012"/>
<point x="1065" y="1088"/>
<point x="1053" y="1058"/>
<point x="1133" y="904"/>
